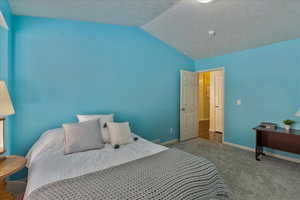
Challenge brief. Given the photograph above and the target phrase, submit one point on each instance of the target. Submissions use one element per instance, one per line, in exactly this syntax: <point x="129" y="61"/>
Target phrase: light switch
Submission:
<point x="238" y="102"/>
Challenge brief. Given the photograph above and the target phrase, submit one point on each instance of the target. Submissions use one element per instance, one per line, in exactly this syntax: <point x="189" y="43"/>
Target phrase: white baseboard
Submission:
<point x="267" y="153"/>
<point x="170" y="142"/>
<point x="239" y="146"/>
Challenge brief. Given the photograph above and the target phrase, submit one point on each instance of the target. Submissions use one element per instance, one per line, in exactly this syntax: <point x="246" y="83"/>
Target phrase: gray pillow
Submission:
<point x="82" y="136"/>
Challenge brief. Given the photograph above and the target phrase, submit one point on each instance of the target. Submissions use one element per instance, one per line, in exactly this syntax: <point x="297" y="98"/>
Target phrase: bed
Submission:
<point x="140" y="170"/>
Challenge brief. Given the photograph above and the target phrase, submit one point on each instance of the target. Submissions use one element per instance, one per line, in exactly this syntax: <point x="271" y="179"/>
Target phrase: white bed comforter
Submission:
<point x="47" y="162"/>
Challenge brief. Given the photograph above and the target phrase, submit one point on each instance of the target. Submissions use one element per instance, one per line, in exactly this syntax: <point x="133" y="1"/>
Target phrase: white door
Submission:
<point x="188" y="105"/>
<point x="219" y="101"/>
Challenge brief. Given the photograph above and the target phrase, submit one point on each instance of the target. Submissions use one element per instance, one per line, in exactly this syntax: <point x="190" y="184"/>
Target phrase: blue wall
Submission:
<point x="62" y="68"/>
<point x="5" y="41"/>
<point x="6" y="59"/>
<point x="266" y="79"/>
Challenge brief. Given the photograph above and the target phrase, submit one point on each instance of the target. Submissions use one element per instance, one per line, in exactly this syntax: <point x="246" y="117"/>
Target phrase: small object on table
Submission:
<point x="116" y="146"/>
<point x="298" y="113"/>
<point x="9" y="166"/>
<point x="276" y="139"/>
<point x="288" y="124"/>
<point x="268" y="125"/>
<point x="135" y="138"/>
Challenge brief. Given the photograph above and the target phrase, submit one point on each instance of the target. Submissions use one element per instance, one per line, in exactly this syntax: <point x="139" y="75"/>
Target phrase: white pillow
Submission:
<point x="82" y="136"/>
<point x="120" y="133"/>
<point x="103" y="119"/>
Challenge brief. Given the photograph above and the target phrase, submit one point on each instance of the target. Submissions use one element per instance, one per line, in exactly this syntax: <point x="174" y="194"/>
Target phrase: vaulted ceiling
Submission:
<point x="122" y="12"/>
<point x="184" y="24"/>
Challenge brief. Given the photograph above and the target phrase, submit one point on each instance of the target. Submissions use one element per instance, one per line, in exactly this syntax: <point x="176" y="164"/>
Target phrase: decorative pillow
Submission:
<point x="120" y="133"/>
<point x="82" y="136"/>
<point x="103" y="126"/>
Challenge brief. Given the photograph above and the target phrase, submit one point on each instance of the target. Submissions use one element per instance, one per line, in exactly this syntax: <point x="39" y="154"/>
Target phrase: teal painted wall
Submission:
<point x="266" y="79"/>
<point x="62" y="68"/>
<point x="6" y="60"/>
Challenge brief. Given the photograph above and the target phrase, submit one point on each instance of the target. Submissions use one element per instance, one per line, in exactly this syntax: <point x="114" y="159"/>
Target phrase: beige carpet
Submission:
<point x="248" y="179"/>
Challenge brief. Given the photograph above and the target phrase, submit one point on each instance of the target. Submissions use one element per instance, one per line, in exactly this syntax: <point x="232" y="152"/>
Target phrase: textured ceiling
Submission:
<point x="239" y="24"/>
<point x="122" y="12"/>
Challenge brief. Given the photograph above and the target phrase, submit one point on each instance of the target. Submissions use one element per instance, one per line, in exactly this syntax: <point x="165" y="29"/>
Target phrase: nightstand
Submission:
<point x="9" y="166"/>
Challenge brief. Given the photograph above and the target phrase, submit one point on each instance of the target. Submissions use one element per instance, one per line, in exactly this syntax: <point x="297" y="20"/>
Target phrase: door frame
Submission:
<point x="212" y="70"/>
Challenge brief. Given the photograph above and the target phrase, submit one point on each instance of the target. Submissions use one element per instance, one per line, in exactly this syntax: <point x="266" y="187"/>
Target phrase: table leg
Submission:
<point x="257" y="153"/>
<point x="259" y="150"/>
<point x="4" y="195"/>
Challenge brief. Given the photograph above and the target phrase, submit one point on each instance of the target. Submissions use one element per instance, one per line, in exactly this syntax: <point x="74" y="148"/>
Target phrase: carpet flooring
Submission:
<point x="248" y="179"/>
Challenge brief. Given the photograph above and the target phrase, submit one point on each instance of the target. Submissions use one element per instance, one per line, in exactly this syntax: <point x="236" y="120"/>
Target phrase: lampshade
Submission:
<point x="6" y="107"/>
<point x="298" y="113"/>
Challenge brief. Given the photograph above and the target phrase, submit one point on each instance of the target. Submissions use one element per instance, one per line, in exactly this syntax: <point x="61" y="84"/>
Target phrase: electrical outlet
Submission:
<point x="157" y="141"/>
<point x="172" y="131"/>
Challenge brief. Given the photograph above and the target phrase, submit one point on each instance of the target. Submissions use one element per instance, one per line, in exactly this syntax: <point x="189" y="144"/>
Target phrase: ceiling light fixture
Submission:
<point x="205" y="1"/>
<point x="212" y="34"/>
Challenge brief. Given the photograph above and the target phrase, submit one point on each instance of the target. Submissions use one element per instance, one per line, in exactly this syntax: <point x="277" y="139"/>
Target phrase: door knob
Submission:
<point x="182" y="109"/>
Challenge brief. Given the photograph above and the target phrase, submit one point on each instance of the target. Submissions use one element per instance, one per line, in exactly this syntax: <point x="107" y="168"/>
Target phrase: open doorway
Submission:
<point x="211" y="105"/>
<point x="202" y="105"/>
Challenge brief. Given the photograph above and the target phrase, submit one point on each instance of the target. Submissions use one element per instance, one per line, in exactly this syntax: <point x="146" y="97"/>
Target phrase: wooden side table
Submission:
<point x="9" y="166"/>
<point x="279" y="139"/>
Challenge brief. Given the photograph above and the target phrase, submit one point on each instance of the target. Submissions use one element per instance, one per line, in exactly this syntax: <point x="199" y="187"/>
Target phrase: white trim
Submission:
<point x="267" y="153"/>
<point x="212" y="69"/>
<point x="174" y="141"/>
<point x="239" y="146"/>
<point x="3" y="21"/>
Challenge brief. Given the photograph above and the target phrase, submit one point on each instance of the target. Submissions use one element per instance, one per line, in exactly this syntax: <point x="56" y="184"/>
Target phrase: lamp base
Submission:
<point x="2" y="158"/>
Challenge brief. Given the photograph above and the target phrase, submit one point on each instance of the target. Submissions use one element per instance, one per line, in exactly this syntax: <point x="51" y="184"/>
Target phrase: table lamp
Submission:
<point x="6" y="109"/>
